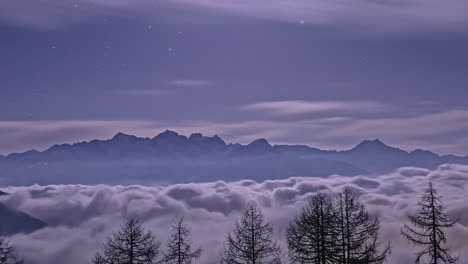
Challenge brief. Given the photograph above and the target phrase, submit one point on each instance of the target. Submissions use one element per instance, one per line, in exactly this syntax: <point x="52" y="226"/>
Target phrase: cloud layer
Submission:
<point x="81" y="216"/>
<point x="301" y="107"/>
<point x="394" y="15"/>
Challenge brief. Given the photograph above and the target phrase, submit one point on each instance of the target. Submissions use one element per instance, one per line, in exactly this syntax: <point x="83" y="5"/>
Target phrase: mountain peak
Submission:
<point x="215" y="140"/>
<point x="167" y="134"/>
<point x="424" y="153"/>
<point x="375" y="142"/>
<point x="259" y="144"/>
<point x="376" y="146"/>
<point x="196" y="137"/>
<point x="216" y="137"/>
<point x="122" y="136"/>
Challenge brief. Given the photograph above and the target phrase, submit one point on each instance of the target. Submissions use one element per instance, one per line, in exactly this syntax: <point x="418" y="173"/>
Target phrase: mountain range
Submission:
<point x="173" y="158"/>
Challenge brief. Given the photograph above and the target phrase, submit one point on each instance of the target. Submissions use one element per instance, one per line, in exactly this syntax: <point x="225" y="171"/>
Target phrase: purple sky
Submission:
<point x="327" y="73"/>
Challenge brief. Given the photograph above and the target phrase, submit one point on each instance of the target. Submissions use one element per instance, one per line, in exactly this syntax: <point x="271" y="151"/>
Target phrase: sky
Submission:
<point x="326" y="73"/>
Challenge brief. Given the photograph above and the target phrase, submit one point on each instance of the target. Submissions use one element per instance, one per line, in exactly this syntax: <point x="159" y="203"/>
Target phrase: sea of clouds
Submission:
<point x="80" y="217"/>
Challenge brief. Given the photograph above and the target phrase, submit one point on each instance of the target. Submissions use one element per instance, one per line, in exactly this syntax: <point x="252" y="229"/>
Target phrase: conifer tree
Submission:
<point x="252" y="241"/>
<point x="356" y="231"/>
<point x="310" y="236"/>
<point x="7" y="252"/>
<point x="131" y="245"/>
<point x="428" y="229"/>
<point x="179" y="248"/>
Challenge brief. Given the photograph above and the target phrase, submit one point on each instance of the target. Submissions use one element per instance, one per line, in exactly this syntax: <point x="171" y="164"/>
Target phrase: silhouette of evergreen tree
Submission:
<point x="357" y="233"/>
<point x="428" y="229"/>
<point x="251" y="242"/>
<point x="310" y="236"/>
<point x="131" y="245"/>
<point x="179" y="247"/>
<point x="7" y="252"/>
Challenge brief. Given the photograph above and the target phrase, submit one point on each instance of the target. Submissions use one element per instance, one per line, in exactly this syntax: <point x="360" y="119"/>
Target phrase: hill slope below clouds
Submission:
<point x="172" y="158"/>
<point x="13" y="222"/>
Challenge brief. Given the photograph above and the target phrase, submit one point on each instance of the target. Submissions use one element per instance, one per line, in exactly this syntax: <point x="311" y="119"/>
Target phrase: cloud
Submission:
<point x="52" y="14"/>
<point x="164" y="92"/>
<point x="301" y="107"/>
<point x="433" y="123"/>
<point x="365" y="15"/>
<point x="393" y="15"/>
<point x="143" y="92"/>
<point x="20" y="136"/>
<point x="190" y="83"/>
<point x="81" y="216"/>
<point x="442" y="132"/>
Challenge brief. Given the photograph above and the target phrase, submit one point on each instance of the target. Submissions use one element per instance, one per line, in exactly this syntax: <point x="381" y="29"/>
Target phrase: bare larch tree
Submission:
<point x="179" y="247"/>
<point x="428" y="229"/>
<point x="252" y="241"/>
<point x="357" y="232"/>
<point x="310" y="236"/>
<point x="7" y="252"/>
<point x="131" y="245"/>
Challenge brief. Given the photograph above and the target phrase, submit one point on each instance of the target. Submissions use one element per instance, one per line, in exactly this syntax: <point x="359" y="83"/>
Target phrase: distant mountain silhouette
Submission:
<point x="376" y="147"/>
<point x="13" y="221"/>
<point x="172" y="158"/>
